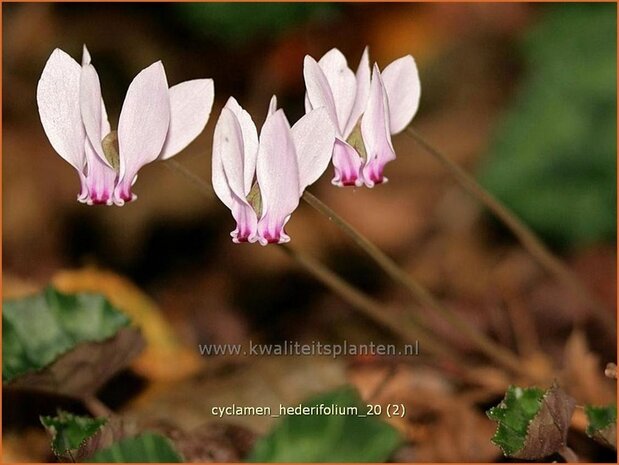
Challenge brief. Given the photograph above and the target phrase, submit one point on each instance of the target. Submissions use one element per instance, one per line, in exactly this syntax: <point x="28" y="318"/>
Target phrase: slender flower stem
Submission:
<point x="420" y="293"/>
<point x="553" y="264"/>
<point x="96" y="407"/>
<point x="363" y="303"/>
<point x="199" y="183"/>
<point x="370" y="307"/>
<point x="568" y="454"/>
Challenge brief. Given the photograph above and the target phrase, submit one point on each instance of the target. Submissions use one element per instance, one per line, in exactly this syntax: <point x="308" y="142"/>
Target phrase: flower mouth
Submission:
<point x="101" y="201"/>
<point x="240" y="239"/>
<point x="349" y="183"/>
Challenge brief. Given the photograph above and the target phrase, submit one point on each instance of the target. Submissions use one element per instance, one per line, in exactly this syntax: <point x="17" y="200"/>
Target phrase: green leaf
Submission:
<point x="602" y="424"/>
<point x="514" y="414"/>
<point x="36" y="330"/>
<point x="328" y="438"/>
<point x="532" y="423"/>
<point x="145" y="448"/>
<point x="553" y="158"/>
<point x="69" y="432"/>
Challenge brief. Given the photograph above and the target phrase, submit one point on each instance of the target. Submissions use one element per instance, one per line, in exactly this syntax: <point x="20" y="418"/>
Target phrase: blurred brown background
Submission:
<point x="174" y="243"/>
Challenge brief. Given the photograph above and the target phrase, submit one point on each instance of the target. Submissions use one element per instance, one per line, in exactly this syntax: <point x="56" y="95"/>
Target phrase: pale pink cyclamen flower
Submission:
<point x="156" y="122"/>
<point x="261" y="179"/>
<point x="366" y="110"/>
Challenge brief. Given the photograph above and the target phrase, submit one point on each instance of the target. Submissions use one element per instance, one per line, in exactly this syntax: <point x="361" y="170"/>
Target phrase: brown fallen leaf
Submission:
<point x="115" y="429"/>
<point x="440" y="424"/>
<point x="214" y="442"/>
<point x="459" y="434"/>
<point x="166" y="357"/>
<point x="547" y="433"/>
<point x="607" y="436"/>
<point x="582" y="374"/>
<point x="211" y="442"/>
<point x="80" y="372"/>
<point x="262" y="381"/>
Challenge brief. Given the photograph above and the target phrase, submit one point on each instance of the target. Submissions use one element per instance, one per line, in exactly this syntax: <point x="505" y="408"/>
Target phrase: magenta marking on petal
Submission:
<point x="243" y="233"/>
<point x="122" y="193"/>
<point x="373" y="173"/>
<point x="344" y="179"/>
<point x="240" y="236"/>
<point x="274" y="237"/>
<point x="347" y="164"/>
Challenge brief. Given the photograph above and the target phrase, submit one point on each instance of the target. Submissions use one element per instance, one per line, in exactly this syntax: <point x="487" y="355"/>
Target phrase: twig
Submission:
<point x="382" y="383"/>
<point x="568" y="454"/>
<point x="550" y="262"/>
<point x="197" y="181"/>
<point x="96" y="407"/>
<point x="421" y="294"/>
<point x="371" y="308"/>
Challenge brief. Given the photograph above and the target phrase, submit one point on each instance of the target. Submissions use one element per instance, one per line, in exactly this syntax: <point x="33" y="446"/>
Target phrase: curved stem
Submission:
<point x="568" y="454"/>
<point x="360" y="301"/>
<point x="371" y="308"/>
<point x="423" y="296"/>
<point x="199" y="183"/>
<point x="529" y="240"/>
<point x="96" y="407"/>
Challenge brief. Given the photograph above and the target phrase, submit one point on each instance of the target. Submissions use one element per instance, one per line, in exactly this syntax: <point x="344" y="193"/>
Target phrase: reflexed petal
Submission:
<point x="105" y="124"/>
<point x="92" y="109"/>
<point x="100" y="179"/>
<point x="228" y="176"/>
<point x="250" y="142"/>
<point x="361" y="96"/>
<point x="318" y="90"/>
<point x="278" y="177"/>
<point x="401" y="81"/>
<point x="272" y="105"/>
<point x="228" y="143"/>
<point x="59" y="108"/>
<point x="142" y="126"/>
<point x="218" y="175"/>
<point x="342" y="82"/>
<point x="82" y="197"/>
<point x="190" y="108"/>
<point x="308" y="105"/>
<point x="375" y="131"/>
<point x="347" y="164"/>
<point x="313" y="136"/>
<point x="85" y="56"/>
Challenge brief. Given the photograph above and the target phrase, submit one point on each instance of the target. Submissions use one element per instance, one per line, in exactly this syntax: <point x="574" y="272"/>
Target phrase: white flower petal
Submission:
<point x="401" y="80"/>
<point x="143" y="125"/>
<point x="250" y="142"/>
<point x="362" y="94"/>
<point x="190" y="107"/>
<point x="313" y="136"/>
<point x="278" y="177"/>
<point x="318" y="90"/>
<point x="375" y="131"/>
<point x="59" y="108"/>
<point x="92" y="109"/>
